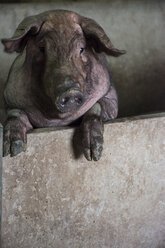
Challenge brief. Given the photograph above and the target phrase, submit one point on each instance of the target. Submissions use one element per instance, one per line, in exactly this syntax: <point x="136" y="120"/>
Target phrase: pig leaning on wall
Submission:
<point x="60" y="75"/>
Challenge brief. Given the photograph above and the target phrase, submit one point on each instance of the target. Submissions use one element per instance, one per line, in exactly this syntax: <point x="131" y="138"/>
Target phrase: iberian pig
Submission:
<point x="60" y="75"/>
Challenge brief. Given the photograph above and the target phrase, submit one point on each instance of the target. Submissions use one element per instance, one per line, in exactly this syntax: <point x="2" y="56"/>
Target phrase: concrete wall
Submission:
<point x="54" y="198"/>
<point x="137" y="26"/>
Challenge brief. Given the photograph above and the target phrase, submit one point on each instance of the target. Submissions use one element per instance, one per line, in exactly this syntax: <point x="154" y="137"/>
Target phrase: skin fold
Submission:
<point x="60" y="75"/>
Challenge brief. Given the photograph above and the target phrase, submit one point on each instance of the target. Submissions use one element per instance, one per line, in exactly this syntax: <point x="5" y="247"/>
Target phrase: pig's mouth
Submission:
<point x="71" y="100"/>
<point x="85" y="102"/>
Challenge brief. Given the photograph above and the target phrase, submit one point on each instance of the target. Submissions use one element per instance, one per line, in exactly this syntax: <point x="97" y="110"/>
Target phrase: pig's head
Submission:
<point x="62" y="55"/>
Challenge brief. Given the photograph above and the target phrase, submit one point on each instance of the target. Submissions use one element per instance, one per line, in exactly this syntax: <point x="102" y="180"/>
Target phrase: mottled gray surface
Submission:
<point x="54" y="198"/>
<point x="137" y="26"/>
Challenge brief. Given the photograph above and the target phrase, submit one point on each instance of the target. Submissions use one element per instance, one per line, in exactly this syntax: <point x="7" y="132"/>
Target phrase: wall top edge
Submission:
<point x="119" y="120"/>
<point x="138" y="117"/>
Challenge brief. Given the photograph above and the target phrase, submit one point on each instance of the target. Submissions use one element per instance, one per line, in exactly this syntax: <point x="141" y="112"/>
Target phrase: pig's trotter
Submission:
<point x="17" y="147"/>
<point x="92" y="138"/>
<point x="92" y="131"/>
<point x="15" y="137"/>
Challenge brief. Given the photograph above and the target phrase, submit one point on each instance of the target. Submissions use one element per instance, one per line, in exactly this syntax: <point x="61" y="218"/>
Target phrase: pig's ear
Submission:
<point x="28" y="27"/>
<point x="96" y="36"/>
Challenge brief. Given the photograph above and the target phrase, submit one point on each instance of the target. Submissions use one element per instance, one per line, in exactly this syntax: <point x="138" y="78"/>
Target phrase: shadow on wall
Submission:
<point x="142" y="90"/>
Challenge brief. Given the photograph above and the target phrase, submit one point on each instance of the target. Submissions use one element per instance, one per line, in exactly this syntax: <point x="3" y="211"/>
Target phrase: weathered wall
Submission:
<point x="137" y="26"/>
<point x="54" y="198"/>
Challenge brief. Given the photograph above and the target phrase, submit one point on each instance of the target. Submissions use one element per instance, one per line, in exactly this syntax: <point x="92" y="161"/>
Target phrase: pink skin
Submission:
<point x="51" y="65"/>
<point x="64" y="119"/>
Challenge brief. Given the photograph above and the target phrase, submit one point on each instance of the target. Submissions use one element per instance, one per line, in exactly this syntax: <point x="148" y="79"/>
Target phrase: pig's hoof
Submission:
<point x="97" y="151"/>
<point x="94" y="152"/>
<point x="14" y="148"/>
<point x="6" y="148"/>
<point x="17" y="147"/>
<point x="92" y="139"/>
<point x="14" y="139"/>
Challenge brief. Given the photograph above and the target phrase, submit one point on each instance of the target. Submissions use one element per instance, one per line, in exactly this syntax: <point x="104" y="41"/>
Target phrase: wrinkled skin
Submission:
<point x="60" y="75"/>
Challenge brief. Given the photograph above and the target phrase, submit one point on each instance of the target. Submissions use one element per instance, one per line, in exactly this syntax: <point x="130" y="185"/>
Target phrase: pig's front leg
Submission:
<point x="109" y="105"/>
<point x="92" y="125"/>
<point x="92" y="133"/>
<point x="15" y="132"/>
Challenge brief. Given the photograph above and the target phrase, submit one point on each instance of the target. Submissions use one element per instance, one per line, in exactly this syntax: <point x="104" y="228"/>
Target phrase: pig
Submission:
<point x="60" y="75"/>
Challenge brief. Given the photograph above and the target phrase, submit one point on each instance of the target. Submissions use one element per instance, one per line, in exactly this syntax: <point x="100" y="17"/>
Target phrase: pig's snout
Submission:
<point x="70" y="100"/>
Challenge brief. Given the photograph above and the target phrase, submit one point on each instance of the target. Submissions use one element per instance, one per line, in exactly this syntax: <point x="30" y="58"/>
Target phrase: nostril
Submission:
<point x="78" y="100"/>
<point x="72" y="100"/>
<point x="69" y="100"/>
<point x="64" y="101"/>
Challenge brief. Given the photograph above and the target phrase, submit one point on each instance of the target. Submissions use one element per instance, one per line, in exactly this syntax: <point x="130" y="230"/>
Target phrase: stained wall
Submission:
<point x="54" y="198"/>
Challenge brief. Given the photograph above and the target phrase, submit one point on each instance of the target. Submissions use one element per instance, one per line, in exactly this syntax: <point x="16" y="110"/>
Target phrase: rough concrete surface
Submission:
<point x="54" y="198"/>
<point x="137" y="26"/>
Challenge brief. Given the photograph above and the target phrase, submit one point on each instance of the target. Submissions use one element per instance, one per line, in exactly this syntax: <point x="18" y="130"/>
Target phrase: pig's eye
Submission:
<point x="42" y="49"/>
<point x="81" y="50"/>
